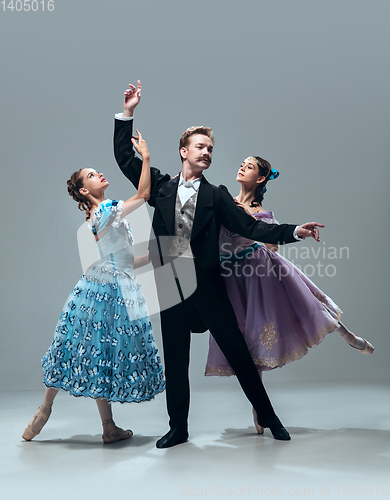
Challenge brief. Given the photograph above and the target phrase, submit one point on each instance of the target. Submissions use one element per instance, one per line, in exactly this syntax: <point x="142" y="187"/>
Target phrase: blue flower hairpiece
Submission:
<point x="274" y="175"/>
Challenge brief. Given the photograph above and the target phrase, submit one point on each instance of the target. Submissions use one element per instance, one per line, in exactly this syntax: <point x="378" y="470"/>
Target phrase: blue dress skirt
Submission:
<point x="103" y="345"/>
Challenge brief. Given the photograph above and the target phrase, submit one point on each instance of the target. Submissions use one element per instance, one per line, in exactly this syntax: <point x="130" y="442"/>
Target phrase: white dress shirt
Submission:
<point x="187" y="189"/>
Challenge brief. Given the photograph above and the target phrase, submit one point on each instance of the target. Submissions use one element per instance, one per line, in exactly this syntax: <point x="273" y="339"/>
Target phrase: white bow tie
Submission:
<point x="187" y="184"/>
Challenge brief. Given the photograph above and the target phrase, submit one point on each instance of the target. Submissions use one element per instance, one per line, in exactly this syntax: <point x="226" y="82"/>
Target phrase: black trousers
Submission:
<point x="211" y="302"/>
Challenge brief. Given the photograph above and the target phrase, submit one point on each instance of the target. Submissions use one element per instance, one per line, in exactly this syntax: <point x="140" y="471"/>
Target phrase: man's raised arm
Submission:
<point x="124" y="153"/>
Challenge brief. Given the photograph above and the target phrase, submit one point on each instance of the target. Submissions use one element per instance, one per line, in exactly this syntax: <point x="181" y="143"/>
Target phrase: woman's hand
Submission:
<point x="141" y="147"/>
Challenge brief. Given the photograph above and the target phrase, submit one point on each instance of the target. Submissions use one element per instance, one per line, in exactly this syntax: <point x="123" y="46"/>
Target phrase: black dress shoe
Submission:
<point x="172" y="438"/>
<point x="277" y="429"/>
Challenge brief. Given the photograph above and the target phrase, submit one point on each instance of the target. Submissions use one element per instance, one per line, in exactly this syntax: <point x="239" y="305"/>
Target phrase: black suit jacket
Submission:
<point x="214" y="207"/>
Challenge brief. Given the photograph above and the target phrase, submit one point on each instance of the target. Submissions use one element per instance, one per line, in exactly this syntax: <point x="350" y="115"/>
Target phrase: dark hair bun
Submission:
<point x="265" y="170"/>
<point x="74" y="184"/>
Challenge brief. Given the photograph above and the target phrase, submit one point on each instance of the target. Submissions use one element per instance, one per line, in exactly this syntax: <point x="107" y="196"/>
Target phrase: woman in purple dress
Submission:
<point x="280" y="312"/>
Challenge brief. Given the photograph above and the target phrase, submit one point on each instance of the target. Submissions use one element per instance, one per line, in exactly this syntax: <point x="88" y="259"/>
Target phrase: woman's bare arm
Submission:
<point x="143" y="193"/>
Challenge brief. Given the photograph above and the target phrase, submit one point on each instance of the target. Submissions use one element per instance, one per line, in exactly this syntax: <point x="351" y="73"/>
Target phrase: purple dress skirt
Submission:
<point x="280" y="312"/>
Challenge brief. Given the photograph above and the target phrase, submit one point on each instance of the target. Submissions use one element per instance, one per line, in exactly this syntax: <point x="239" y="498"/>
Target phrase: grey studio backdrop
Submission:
<point x="303" y="84"/>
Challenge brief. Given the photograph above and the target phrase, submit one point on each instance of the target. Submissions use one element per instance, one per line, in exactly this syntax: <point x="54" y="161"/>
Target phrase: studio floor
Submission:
<point x="340" y="446"/>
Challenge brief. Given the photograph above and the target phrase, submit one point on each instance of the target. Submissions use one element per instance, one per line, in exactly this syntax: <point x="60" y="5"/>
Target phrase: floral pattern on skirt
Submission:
<point x="103" y="345"/>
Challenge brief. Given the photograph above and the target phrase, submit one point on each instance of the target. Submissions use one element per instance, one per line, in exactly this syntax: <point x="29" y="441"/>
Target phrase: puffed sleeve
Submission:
<point x="108" y="213"/>
<point x="267" y="217"/>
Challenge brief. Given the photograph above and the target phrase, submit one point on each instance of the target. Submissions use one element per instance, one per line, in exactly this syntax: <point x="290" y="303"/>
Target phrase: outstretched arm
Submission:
<point x="237" y="221"/>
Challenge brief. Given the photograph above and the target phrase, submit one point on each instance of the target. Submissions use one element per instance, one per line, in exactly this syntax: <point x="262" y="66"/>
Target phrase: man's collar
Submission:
<point x="195" y="183"/>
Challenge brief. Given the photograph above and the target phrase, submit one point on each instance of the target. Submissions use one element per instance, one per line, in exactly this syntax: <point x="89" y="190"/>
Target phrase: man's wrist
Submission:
<point x="295" y="234"/>
<point x="119" y="116"/>
<point x="127" y="113"/>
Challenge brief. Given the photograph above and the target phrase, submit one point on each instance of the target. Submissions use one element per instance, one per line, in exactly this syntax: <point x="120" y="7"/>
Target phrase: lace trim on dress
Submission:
<point x="144" y="392"/>
<point x="114" y="272"/>
<point x="91" y="294"/>
<point x="96" y="216"/>
<point x="269" y="220"/>
<point x="265" y="364"/>
<point x="118" y="216"/>
<point x="134" y="286"/>
<point x="265" y="216"/>
<point x="128" y="229"/>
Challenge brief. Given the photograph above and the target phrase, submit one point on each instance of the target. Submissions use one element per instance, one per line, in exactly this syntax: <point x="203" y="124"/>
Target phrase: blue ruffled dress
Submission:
<point x="103" y="345"/>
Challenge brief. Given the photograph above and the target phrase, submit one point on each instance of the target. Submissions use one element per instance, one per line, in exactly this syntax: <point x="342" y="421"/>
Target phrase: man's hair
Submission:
<point x="200" y="130"/>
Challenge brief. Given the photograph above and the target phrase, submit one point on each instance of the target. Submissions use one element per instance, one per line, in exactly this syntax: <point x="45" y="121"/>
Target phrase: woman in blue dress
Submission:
<point x="103" y="346"/>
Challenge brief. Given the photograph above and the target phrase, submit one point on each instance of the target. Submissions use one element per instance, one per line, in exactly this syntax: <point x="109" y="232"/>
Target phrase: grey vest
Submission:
<point x="184" y="220"/>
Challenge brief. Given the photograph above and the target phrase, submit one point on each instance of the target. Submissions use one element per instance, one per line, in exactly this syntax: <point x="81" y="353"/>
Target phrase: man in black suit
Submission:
<point x="189" y="206"/>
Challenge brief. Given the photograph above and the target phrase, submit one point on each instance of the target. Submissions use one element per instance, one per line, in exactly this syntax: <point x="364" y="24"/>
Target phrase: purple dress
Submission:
<point x="280" y="312"/>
